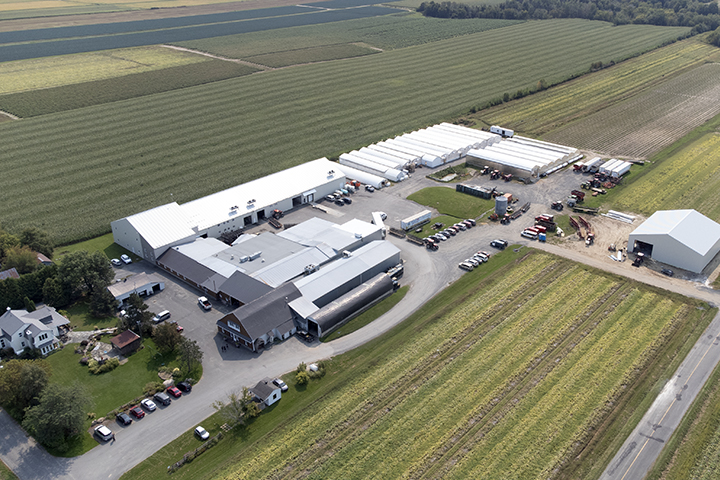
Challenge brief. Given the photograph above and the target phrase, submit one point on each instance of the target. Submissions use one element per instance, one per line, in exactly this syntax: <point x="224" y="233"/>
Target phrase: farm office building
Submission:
<point x="682" y="238"/>
<point x="150" y="233"/>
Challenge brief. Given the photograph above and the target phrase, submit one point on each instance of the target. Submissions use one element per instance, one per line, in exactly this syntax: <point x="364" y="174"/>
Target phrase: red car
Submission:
<point x="137" y="412"/>
<point x="174" y="392"/>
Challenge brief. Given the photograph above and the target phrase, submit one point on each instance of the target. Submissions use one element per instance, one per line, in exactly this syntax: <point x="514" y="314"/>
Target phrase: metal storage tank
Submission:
<point x="501" y="204"/>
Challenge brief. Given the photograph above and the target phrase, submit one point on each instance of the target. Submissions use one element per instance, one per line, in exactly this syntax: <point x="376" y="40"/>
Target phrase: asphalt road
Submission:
<point x="427" y="273"/>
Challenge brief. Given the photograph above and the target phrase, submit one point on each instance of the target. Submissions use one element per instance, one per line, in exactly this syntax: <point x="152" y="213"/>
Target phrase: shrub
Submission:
<point x="84" y="360"/>
<point x="84" y="343"/>
<point x="301" y="368"/>
<point x="302" y="378"/>
<point x="152" y="388"/>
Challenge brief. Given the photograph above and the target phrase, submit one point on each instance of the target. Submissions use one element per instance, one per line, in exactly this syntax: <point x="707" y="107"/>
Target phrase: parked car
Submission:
<point x="383" y="216"/>
<point x="330" y="198"/>
<point x="164" y="315"/>
<point x="466" y="266"/>
<point x="339" y="202"/>
<point x="116" y="262"/>
<point x="501" y="244"/>
<point x="174" y="391"/>
<point x="162" y="397"/>
<point x="668" y="272"/>
<point x="202" y="433"/>
<point x="185" y="387"/>
<point x="441" y="236"/>
<point x="474" y="262"/>
<point x="204" y="303"/>
<point x="104" y="432"/>
<point x="179" y="328"/>
<point x="472" y="222"/>
<point x="450" y="231"/>
<point x="123" y="418"/>
<point x="283" y="386"/>
<point x="137" y="412"/>
<point x="480" y="257"/>
<point x="148" y="405"/>
<point x="126" y="260"/>
<point x="467" y="223"/>
<point x="369" y="188"/>
<point x="461" y="226"/>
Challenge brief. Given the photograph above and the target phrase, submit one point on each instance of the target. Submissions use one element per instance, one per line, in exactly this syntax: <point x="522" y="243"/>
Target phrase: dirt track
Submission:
<point x="117" y="17"/>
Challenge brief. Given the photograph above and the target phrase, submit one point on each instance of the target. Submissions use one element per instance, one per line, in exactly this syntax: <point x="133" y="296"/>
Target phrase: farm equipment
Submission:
<point x="580" y="195"/>
<point x="495" y="174"/>
<point x="272" y="221"/>
<point x="485" y="170"/>
<point x="525" y="207"/>
<point x="506" y="219"/>
<point x="639" y="259"/>
<point x="587" y="210"/>
<point x="515" y="215"/>
<point x="494" y="217"/>
<point x="612" y="248"/>
<point x="277" y="214"/>
<point x="599" y="190"/>
<point x="557" y="206"/>
<point x="585" y="185"/>
<point x="397" y="232"/>
<point x="507" y="177"/>
<point x="576" y="226"/>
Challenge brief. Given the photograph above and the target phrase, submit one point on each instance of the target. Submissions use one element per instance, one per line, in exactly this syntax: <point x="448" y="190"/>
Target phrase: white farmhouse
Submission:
<point x="20" y="329"/>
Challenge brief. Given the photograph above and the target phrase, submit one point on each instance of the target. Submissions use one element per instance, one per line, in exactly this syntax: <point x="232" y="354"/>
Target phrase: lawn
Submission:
<point x="5" y="473"/>
<point x="110" y="390"/>
<point x="81" y="320"/>
<point x="109" y="161"/>
<point x="462" y="171"/>
<point x="103" y="243"/>
<point x="369" y="315"/>
<point x="449" y="202"/>
<point x="537" y="370"/>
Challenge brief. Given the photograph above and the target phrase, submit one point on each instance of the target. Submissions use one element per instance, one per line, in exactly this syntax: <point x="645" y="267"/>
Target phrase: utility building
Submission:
<point x="151" y="233"/>
<point x="682" y="238"/>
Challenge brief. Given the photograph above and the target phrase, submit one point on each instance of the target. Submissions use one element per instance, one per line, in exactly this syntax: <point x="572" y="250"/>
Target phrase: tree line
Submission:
<point x="701" y="16"/>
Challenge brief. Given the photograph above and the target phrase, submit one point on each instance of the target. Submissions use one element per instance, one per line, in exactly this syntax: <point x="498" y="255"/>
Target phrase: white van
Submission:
<point x="162" y="316"/>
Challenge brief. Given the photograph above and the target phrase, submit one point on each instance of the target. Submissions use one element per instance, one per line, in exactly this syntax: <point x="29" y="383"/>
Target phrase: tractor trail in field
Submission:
<point x="384" y="402"/>
<point x="216" y="57"/>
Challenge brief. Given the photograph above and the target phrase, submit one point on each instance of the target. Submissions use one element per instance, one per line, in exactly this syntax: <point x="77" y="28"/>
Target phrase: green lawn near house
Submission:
<point x="109" y="391"/>
<point x="81" y="319"/>
<point x="446" y="200"/>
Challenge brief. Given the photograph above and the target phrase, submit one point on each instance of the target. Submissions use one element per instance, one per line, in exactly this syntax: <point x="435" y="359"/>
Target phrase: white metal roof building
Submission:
<point x="682" y="238"/>
<point x="150" y="233"/>
<point x="363" y="177"/>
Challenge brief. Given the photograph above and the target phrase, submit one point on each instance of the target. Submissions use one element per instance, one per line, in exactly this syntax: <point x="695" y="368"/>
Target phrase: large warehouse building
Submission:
<point x="149" y="234"/>
<point x="682" y="238"/>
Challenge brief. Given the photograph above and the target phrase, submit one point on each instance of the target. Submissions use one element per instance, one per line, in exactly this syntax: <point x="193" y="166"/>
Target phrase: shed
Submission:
<point x="682" y="238"/>
<point x="266" y="391"/>
<point x="127" y="342"/>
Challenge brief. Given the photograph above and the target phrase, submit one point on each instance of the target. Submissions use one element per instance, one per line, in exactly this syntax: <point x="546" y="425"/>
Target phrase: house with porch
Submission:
<point x="38" y="330"/>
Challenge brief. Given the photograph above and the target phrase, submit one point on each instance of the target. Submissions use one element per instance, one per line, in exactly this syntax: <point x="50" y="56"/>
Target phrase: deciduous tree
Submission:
<point x="22" y="259"/>
<point x="166" y="337"/>
<point x="38" y="241"/>
<point x="190" y="354"/>
<point x="235" y="409"/>
<point x="137" y="317"/>
<point x="83" y="273"/>
<point x="59" y="415"/>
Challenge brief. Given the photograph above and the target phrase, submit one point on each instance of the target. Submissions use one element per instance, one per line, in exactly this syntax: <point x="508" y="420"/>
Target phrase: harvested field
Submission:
<point x="546" y="111"/>
<point x="645" y="124"/>
<point x="49" y="72"/>
<point x="502" y="376"/>
<point x="133" y="85"/>
<point x="240" y="129"/>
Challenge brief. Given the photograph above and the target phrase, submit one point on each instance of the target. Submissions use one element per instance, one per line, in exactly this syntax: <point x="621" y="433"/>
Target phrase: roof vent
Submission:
<point x="244" y="259"/>
<point x="255" y="255"/>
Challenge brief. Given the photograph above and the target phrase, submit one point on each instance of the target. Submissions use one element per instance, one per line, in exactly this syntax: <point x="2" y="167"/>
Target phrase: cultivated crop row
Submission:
<point x="689" y="179"/>
<point x="548" y="110"/>
<point x="508" y="384"/>
<point x="651" y="121"/>
<point x="105" y="162"/>
<point x="311" y="54"/>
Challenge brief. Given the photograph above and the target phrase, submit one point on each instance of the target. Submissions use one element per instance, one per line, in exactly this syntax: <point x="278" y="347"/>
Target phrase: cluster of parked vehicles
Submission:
<point x="342" y="196"/>
<point x="434" y="240"/>
<point x="146" y="405"/>
<point x="482" y="256"/>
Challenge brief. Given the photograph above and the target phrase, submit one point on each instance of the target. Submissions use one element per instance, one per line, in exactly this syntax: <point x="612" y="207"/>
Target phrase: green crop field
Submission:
<point x="49" y="72"/>
<point x="105" y="162"/>
<point x="505" y="375"/>
<point x="543" y="112"/>
<point x="686" y="175"/>
<point x="387" y="32"/>
<point x="79" y="95"/>
<point x="648" y="122"/>
<point x="311" y="54"/>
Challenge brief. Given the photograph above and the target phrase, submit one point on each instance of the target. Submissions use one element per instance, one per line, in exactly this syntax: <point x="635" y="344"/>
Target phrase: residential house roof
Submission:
<point x="9" y="273"/>
<point x="124" y="339"/>
<point x="264" y="388"/>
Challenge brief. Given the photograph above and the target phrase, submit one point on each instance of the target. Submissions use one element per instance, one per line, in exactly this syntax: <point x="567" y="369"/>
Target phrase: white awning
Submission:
<point x="309" y="192"/>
